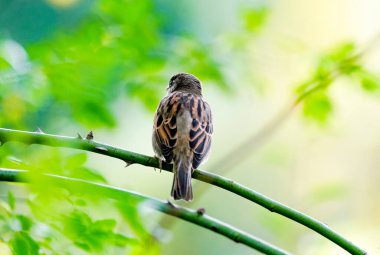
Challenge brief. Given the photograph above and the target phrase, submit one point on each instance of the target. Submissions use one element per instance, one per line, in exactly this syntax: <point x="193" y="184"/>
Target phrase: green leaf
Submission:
<point x="92" y="235"/>
<point x="130" y="213"/>
<point x="106" y="225"/>
<point x="342" y="59"/>
<point x="82" y="245"/>
<point x="22" y="244"/>
<point x="25" y="222"/>
<point x="343" y="51"/>
<point x="4" y="64"/>
<point x="329" y="191"/>
<point x="368" y="81"/>
<point x="80" y="202"/>
<point x="370" y="84"/>
<point x="88" y="174"/>
<point x="73" y="166"/>
<point x="121" y="240"/>
<point x="255" y="18"/>
<point x="76" y="224"/>
<point x="11" y="200"/>
<point x="75" y="161"/>
<point x="317" y="107"/>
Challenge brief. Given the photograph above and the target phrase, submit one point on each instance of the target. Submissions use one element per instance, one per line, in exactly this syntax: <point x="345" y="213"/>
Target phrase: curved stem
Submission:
<point x="7" y="135"/>
<point x="183" y="213"/>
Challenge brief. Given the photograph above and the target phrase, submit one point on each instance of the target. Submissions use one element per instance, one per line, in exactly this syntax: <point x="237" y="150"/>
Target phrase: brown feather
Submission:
<point x="182" y="131"/>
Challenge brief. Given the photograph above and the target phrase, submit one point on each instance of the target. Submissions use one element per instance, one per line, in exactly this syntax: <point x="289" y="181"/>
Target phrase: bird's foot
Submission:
<point x="160" y="161"/>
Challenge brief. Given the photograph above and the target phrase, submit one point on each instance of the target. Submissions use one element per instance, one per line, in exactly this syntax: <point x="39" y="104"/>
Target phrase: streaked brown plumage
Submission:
<point x="182" y="131"/>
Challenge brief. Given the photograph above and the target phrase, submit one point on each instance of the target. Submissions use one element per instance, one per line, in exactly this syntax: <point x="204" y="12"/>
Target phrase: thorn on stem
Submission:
<point x="90" y="136"/>
<point x="100" y="148"/>
<point x="79" y="137"/>
<point x="39" y="131"/>
<point x="128" y="163"/>
<point x="214" y="228"/>
<point x="201" y="211"/>
<point x="171" y="204"/>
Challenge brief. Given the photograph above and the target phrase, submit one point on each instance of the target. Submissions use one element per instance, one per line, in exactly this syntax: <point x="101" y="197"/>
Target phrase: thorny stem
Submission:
<point x="7" y="135"/>
<point x="123" y="195"/>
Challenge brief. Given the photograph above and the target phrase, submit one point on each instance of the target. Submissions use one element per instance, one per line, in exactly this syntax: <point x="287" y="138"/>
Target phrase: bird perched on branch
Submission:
<point x="182" y="131"/>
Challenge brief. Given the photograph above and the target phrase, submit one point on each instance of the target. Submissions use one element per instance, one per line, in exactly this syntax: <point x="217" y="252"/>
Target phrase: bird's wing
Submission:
<point x="165" y="126"/>
<point x="201" y="130"/>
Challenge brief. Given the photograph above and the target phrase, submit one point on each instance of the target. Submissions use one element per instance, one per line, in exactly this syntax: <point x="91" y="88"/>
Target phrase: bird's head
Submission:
<point x="185" y="82"/>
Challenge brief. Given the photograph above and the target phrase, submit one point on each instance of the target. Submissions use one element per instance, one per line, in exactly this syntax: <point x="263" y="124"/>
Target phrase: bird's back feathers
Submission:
<point x="165" y="131"/>
<point x="182" y="134"/>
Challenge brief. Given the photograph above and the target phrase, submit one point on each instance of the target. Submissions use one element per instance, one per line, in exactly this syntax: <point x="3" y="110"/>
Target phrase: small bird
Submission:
<point x="182" y="131"/>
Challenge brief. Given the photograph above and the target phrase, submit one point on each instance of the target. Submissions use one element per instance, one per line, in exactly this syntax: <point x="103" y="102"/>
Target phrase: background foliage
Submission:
<point x="69" y="66"/>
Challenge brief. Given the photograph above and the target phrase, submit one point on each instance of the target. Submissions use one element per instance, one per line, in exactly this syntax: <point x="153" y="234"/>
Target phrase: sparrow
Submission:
<point x="182" y="130"/>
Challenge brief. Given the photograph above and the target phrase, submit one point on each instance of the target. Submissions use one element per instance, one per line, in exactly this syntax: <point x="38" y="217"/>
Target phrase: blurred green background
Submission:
<point x="70" y="66"/>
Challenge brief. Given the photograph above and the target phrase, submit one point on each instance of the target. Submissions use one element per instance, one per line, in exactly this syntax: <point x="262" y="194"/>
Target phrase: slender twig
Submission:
<point x="7" y="135"/>
<point x="122" y="195"/>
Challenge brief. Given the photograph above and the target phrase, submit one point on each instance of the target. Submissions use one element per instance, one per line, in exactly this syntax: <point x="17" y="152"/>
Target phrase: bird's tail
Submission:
<point x="181" y="188"/>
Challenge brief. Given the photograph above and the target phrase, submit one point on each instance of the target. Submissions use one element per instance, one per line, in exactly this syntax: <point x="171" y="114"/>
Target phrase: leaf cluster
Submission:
<point x="342" y="61"/>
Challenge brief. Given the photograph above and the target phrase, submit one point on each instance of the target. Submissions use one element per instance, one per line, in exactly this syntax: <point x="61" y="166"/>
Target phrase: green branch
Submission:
<point x="7" y="135"/>
<point x="197" y="217"/>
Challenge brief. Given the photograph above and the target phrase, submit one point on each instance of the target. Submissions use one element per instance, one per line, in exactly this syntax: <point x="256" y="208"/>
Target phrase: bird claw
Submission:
<point x="160" y="164"/>
<point x="160" y="161"/>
